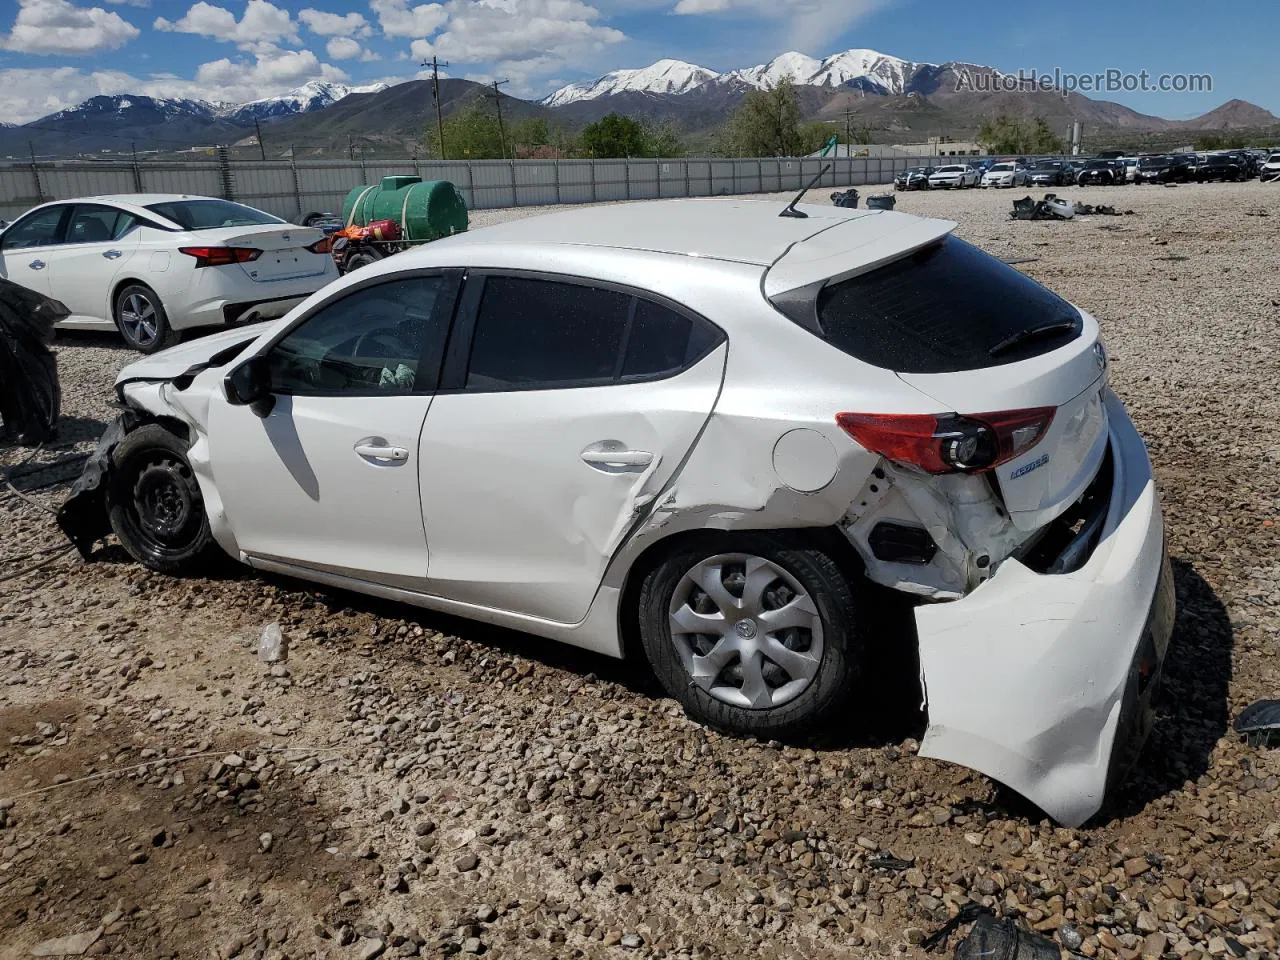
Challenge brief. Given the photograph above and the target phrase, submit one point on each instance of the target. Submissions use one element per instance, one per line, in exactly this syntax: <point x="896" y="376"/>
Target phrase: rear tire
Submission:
<point x="155" y="505"/>
<point x="358" y="260"/>
<point x="141" y="319"/>
<point x="744" y="676"/>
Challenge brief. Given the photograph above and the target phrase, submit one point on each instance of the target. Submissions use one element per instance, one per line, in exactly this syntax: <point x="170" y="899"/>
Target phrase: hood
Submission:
<point x="188" y="359"/>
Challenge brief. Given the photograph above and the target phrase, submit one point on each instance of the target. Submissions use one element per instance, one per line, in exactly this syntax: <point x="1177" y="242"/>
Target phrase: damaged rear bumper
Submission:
<point x="1044" y="681"/>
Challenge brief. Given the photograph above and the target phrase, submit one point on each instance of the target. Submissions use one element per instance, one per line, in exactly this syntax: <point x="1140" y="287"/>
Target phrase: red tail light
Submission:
<point x="323" y="245"/>
<point x="949" y="443"/>
<point x="221" y="256"/>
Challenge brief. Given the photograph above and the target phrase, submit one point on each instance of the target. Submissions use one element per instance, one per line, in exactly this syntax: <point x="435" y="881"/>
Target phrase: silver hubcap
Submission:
<point x="138" y="315"/>
<point x="747" y="632"/>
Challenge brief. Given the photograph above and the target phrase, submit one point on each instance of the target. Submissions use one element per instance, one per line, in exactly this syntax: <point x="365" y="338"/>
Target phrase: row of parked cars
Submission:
<point x="1234" y="165"/>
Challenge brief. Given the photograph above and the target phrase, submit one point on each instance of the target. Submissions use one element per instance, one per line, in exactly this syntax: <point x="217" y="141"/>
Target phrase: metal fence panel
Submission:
<point x="294" y="189"/>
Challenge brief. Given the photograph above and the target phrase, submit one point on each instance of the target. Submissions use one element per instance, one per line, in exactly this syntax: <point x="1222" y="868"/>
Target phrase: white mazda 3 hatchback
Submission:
<point x="708" y="430"/>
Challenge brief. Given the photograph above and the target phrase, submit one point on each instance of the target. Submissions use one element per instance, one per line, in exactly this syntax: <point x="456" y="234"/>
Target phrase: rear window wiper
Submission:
<point x="1032" y="333"/>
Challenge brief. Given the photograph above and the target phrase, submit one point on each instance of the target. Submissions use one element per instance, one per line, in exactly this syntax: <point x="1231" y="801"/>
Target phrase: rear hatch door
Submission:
<point x="284" y="250"/>
<point x="979" y="337"/>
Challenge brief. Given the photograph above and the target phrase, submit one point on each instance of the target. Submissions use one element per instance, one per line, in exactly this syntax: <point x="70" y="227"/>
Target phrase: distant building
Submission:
<point x="933" y="147"/>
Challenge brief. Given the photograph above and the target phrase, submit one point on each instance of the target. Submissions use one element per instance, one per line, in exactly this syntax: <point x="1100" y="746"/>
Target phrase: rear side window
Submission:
<point x="534" y="334"/>
<point x="945" y="308"/>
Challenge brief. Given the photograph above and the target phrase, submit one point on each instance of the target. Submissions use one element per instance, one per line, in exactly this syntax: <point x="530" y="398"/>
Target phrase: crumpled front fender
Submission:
<point x="1025" y="678"/>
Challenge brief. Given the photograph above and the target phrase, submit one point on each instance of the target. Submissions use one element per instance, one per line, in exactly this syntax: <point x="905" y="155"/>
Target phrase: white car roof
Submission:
<point x="742" y="231"/>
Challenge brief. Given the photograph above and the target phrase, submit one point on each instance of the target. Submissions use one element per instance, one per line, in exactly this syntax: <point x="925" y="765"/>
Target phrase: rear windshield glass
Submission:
<point x="944" y="308"/>
<point x="210" y="214"/>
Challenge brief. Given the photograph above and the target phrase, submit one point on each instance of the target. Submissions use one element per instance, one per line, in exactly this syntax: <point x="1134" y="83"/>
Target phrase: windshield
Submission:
<point x="912" y="171"/>
<point x="1274" y="158"/>
<point x="950" y="169"/>
<point x="211" y="214"/>
<point x="1149" y="162"/>
<point x="1001" y="168"/>
<point x="1045" y="165"/>
<point x="1098" y="165"/>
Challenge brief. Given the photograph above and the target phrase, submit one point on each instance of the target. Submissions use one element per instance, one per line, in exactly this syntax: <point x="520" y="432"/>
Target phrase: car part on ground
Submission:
<point x="991" y="938"/>
<point x="1050" y="208"/>
<point x="30" y="394"/>
<point x="845" y="198"/>
<point x="885" y="201"/>
<point x="1259" y="722"/>
<point x="355" y="246"/>
<point x="724" y="509"/>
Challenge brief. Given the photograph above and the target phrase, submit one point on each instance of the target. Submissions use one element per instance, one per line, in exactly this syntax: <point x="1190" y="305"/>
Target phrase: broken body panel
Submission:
<point x="1027" y="674"/>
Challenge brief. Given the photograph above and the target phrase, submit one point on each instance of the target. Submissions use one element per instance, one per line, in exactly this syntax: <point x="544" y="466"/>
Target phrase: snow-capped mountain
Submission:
<point x="665" y="76"/>
<point x="122" y="106"/>
<point x="861" y="69"/>
<point x="312" y="95"/>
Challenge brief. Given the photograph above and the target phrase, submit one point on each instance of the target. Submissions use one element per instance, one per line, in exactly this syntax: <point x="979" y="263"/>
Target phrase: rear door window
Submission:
<point x="944" y="308"/>
<point x="93" y="223"/>
<point x="538" y="334"/>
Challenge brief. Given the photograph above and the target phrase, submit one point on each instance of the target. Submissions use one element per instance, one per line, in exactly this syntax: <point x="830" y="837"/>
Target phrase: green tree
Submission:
<point x="1006" y="134"/>
<point x="531" y="133"/>
<point x="768" y="122"/>
<point x="615" y="136"/>
<point x="470" y="133"/>
<point x="663" y="140"/>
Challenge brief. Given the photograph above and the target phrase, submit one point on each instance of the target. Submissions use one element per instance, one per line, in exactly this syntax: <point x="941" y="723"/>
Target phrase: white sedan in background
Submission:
<point x="955" y="175"/>
<point x="1005" y="175"/>
<point x="1271" y="169"/>
<point x="152" y="265"/>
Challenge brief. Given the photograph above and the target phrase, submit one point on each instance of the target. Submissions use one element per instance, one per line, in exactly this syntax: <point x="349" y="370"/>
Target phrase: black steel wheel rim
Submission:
<point x="165" y="508"/>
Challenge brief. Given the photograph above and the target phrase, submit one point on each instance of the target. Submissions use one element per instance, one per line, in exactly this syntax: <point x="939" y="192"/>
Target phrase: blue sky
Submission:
<point x="54" y="53"/>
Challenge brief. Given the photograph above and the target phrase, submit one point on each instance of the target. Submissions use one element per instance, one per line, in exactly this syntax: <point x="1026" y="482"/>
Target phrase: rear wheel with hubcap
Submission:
<point x="155" y="504"/>
<point x="758" y="636"/>
<point x="141" y="319"/>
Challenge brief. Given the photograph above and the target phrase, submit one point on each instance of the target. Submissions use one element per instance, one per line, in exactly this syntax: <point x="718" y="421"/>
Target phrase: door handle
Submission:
<point x="113" y="254"/>
<point x="37" y="264"/>
<point x="375" y="448"/>
<point x="612" y="454"/>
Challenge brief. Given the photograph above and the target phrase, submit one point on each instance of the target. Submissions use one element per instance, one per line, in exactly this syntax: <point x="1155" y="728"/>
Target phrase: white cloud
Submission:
<point x="521" y="39"/>
<point x="263" y="22"/>
<point x="269" y="74"/>
<point x="30" y="93"/>
<point x="811" y="23"/>
<point x="335" y="24"/>
<point x="342" y="48"/>
<point x="56" y="26"/>
<point x="398" y="19"/>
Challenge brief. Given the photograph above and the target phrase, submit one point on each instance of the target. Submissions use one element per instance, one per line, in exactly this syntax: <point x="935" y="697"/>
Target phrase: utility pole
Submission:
<point x="261" y="147"/>
<point x="848" y="137"/>
<point x="497" y="100"/>
<point x="435" y="66"/>
<point x="351" y="148"/>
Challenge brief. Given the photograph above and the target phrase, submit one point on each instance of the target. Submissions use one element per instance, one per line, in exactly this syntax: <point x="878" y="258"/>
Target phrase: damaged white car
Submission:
<point x="712" y="432"/>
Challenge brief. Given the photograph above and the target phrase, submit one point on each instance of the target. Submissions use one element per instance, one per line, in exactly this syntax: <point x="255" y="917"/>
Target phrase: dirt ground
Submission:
<point x="415" y="785"/>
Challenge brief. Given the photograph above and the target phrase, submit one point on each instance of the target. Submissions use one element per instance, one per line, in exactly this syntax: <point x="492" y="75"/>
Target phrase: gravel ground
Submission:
<point x="410" y="784"/>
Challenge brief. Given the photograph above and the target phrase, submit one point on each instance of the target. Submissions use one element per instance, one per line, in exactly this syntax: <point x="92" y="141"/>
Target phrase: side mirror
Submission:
<point x="249" y="385"/>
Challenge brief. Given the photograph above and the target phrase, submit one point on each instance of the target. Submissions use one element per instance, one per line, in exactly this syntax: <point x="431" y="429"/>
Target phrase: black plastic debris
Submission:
<point x="886" y="201"/>
<point x="889" y="863"/>
<point x="991" y="938"/>
<point x="1050" y="208"/>
<point x="845" y="198"/>
<point x="1259" y="723"/>
<point x="30" y="396"/>
<point x="83" y="516"/>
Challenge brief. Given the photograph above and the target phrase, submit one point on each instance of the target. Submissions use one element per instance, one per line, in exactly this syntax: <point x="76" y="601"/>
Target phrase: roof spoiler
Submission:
<point x="846" y="250"/>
